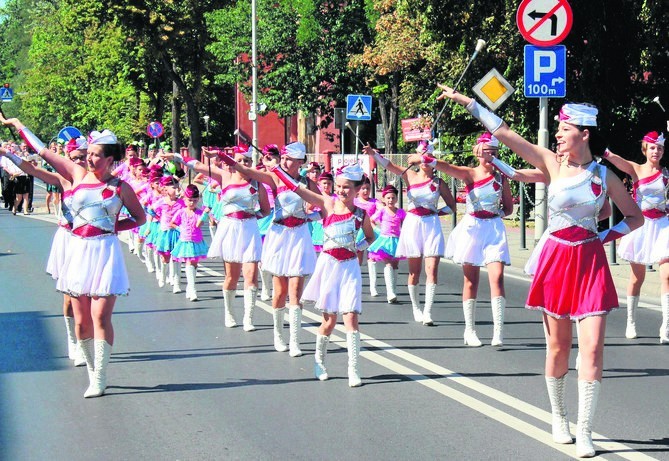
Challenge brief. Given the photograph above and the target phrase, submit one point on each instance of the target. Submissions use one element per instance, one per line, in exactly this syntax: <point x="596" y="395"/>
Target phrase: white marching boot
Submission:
<point x="87" y="348"/>
<point x="99" y="379"/>
<point x="390" y="276"/>
<point x="279" y="343"/>
<point x="319" y="357"/>
<point x="371" y="270"/>
<point x="228" y="298"/>
<point x="498" y="308"/>
<point x="588" y="394"/>
<point x="140" y="249"/>
<point x="430" y="290"/>
<point x="71" y="338"/>
<point x="157" y="260"/>
<point x="160" y="273"/>
<point x="249" y="306"/>
<point x="266" y="289"/>
<point x="469" y="309"/>
<point x="148" y="259"/>
<point x="295" y="324"/>
<point x="555" y="388"/>
<point x="630" y="330"/>
<point x="175" y="274"/>
<point x="191" y="291"/>
<point x="415" y="303"/>
<point x="353" y="344"/>
<point x="664" y="328"/>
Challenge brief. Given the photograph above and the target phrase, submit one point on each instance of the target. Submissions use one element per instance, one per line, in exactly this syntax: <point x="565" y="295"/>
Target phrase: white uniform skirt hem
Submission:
<point x="648" y="244"/>
<point x="421" y="236"/>
<point x="478" y="242"/>
<point x="336" y="286"/>
<point x="54" y="265"/>
<point x="288" y="251"/>
<point x="236" y="241"/>
<point x="94" y="267"/>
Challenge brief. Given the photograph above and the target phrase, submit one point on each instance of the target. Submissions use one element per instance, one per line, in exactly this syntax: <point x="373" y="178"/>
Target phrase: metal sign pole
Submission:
<point x="541" y="205"/>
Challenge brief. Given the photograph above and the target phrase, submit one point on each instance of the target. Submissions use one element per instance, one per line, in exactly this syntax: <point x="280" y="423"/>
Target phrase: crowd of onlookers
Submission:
<point x="17" y="187"/>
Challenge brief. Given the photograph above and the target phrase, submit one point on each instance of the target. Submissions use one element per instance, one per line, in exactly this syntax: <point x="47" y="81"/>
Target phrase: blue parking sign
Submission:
<point x="545" y="71"/>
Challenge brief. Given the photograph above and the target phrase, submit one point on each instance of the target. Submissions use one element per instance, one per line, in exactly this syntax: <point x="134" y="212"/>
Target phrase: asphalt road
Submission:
<point x="184" y="387"/>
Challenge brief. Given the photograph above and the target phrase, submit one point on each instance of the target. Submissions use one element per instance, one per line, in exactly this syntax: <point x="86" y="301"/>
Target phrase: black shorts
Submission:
<point x="22" y="185"/>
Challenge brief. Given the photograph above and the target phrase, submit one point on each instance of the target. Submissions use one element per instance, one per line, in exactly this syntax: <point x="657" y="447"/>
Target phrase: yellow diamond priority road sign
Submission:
<point x="493" y="89"/>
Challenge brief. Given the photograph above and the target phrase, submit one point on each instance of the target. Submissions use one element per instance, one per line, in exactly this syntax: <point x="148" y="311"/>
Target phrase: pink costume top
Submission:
<point x="188" y="224"/>
<point x="122" y="171"/>
<point x="390" y="224"/>
<point x="423" y="198"/>
<point x="165" y="211"/>
<point x="574" y="204"/>
<point x="484" y="197"/>
<point x="339" y="234"/>
<point x="369" y="206"/>
<point x="239" y="201"/>
<point x="651" y="194"/>
<point x="95" y="208"/>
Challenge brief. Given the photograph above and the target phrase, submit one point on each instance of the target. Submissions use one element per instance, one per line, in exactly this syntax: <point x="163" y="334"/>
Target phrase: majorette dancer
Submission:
<point x="368" y="203"/>
<point x="94" y="271"/>
<point x="124" y="173"/>
<point x="287" y="252"/>
<point x="388" y="219"/>
<point x="151" y="228"/>
<point x="325" y="183"/>
<point x="573" y="280"/>
<point x="237" y="240"/>
<point x="191" y="247"/>
<point x="76" y="151"/>
<point x="649" y="244"/>
<point x="336" y="284"/>
<point x="209" y="195"/>
<point x="479" y="239"/>
<point x="165" y="209"/>
<point x="138" y="182"/>
<point x="421" y="236"/>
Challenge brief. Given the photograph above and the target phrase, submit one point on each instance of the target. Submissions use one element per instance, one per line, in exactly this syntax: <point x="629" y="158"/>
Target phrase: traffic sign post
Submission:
<point x="69" y="132"/>
<point x="155" y="129"/>
<point x="545" y="71"/>
<point x="358" y="107"/>
<point x="544" y="22"/>
<point x="6" y="94"/>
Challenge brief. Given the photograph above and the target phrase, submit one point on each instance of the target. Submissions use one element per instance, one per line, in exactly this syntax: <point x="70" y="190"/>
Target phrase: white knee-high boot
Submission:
<point x="353" y="344"/>
<point x="279" y="343"/>
<point x="371" y="270"/>
<point x="389" y="274"/>
<point x="176" y="279"/>
<point x="71" y="338"/>
<point x="156" y="263"/>
<point x="160" y="273"/>
<point x="319" y="357"/>
<point x="430" y="290"/>
<point x="630" y="330"/>
<point x="295" y="324"/>
<point x="555" y="388"/>
<point x="415" y="303"/>
<point x="99" y="382"/>
<point x="149" y="259"/>
<point x="588" y="394"/>
<point x="469" y="309"/>
<point x="498" y="307"/>
<point x="228" y="298"/>
<point x="191" y="291"/>
<point x="249" y="306"/>
<point x="266" y="279"/>
<point x="664" y="328"/>
<point x="140" y="249"/>
<point x="87" y="348"/>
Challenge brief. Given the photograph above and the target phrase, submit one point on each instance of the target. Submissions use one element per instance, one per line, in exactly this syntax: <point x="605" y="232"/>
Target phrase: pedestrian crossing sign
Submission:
<point x="6" y="94"/>
<point x="358" y="107"/>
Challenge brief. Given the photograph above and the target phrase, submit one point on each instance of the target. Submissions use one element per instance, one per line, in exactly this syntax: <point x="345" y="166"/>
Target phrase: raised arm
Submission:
<point x="315" y="198"/>
<point x="623" y="165"/>
<point x="533" y="154"/>
<point x="195" y="165"/>
<point x="251" y="173"/>
<point x="50" y="178"/>
<point x="384" y="162"/>
<point x="459" y="172"/>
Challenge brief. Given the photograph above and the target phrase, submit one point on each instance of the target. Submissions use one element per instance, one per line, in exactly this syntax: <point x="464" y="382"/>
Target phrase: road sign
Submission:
<point x="69" y="132"/>
<point x="545" y="71"/>
<point x="6" y="94"/>
<point x="358" y="107"/>
<point x="544" y="22"/>
<point x="493" y="89"/>
<point x="155" y="129"/>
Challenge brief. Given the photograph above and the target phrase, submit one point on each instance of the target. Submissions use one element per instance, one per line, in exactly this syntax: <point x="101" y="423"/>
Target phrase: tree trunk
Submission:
<point x="195" y="141"/>
<point x="176" y="118"/>
<point x="389" y="108"/>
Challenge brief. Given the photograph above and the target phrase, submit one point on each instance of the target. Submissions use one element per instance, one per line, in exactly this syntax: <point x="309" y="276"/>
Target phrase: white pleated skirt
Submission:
<point x="288" y="251"/>
<point x="649" y="244"/>
<point x="236" y="241"/>
<point x="94" y="267"/>
<point x="54" y="265"/>
<point x="478" y="242"/>
<point x="421" y="236"/>
<point x="335" y="286"/>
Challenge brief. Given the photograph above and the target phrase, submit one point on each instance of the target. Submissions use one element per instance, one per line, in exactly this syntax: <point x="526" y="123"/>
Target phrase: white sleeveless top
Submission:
<point x="239" y="198"/>
<point x="425" y="195"/>
<point x="650" y="193"/>
<point x="97" y="207"/>
<point x="485" y="195"/>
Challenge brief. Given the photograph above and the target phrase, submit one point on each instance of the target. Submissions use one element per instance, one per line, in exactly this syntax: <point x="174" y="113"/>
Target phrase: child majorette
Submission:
<point x="368" y="203"/>
<point x="237" y="240"/>
<point x="421" y="236"/>
<point x="151" y="228"/>
<point x="326" y="186"/>
<point x="649" y="244"/>
<point x="191" y="247"/>
<point x="479" y="239"/>
<point x="138" y="180"/>
<point x="287" y="252"/>
<point x="209" y="195"/>
<point x="165" y="209"/>
<point x="389" y="219"/>
<point x="336" y="284"/>
<point x="573" y="280"/>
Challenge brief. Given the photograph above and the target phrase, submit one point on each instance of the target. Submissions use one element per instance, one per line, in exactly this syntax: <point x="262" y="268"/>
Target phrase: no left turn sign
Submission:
<point x="544" y="22"/>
